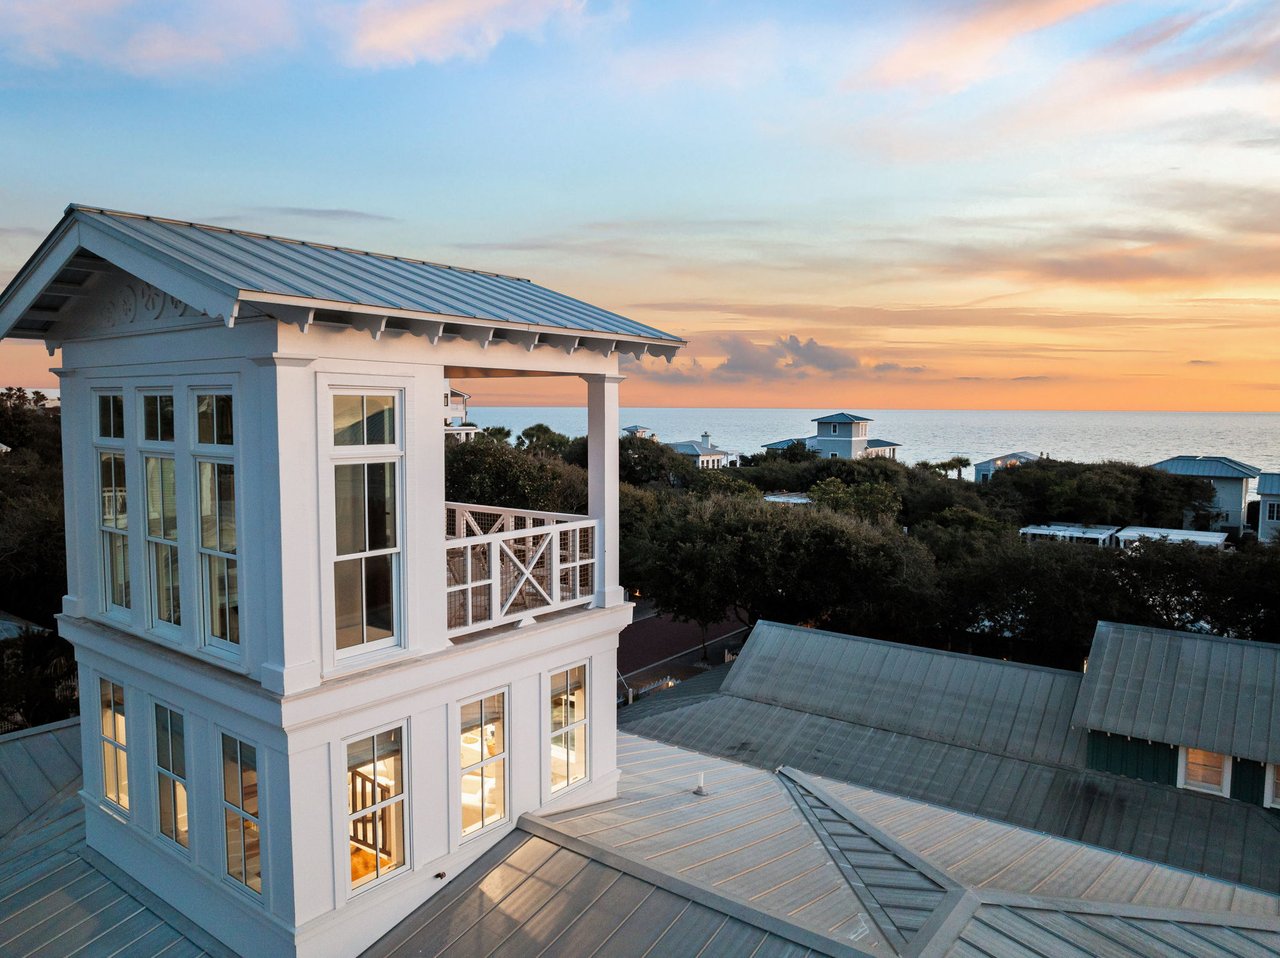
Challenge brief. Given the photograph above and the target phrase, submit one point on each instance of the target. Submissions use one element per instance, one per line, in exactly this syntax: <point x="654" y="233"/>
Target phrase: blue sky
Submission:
<point x="1045" y="203"/>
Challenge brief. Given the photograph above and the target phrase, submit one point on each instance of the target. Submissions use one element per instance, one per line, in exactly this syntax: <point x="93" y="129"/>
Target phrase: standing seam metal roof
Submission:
<point x="1269" y="484"/>
<point x="1183" y="688"/>
<point x="1208" y="467"/>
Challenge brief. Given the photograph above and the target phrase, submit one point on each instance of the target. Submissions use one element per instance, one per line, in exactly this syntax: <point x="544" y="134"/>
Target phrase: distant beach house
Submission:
<point x="983" y="471"/>
<point x="640" y="432"/>
<point x="1100" y="536"/>
<point x="705" y="454"/>
<point x="842" y="435"/>
<point x="1131" y="535"/>
<point x="1269" y="509"/>
<point x="456" y="425"/>
<point x="1230" y="479"/>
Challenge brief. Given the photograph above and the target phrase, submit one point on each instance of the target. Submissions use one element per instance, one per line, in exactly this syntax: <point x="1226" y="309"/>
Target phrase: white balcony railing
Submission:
<point x="509" y="565"/>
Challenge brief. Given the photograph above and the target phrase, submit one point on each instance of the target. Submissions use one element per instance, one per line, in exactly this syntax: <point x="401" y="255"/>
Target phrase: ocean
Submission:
<point x="936" y="434"/>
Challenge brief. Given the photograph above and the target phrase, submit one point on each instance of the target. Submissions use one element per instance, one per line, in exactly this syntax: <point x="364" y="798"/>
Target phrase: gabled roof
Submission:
<point x="784" y="443"/>
<point x="842" y="417"/>
<point x="1183" y="688"/>
<point x="1208" y="467"/>
<point x="1269" y="484"/>
<point x="693" y="447"/>
<point x="219" y="268"/>
<point x="967" y="737"/>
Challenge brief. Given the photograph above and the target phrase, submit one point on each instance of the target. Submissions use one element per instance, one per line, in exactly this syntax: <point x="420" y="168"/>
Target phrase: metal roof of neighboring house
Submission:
<point x="1133" y="533"/>
<point x="903" y="744"/>
<point x="246" y="266"/>
<point x="1001" y="707"/>
<point x="692" y="447"/>
<point x="1183" y="688"/>
<point x="783" y="443"/>
<point x="1069" y="530"/>
<point x="881" y="443"/>
<point x="1208" y="467"/>
<point x="4" y="448"/>
<point x="636" y="429"/>
<point x="842" y="417"/>
<point x="1023" y="456"/>
<point x="1269" y="484"/>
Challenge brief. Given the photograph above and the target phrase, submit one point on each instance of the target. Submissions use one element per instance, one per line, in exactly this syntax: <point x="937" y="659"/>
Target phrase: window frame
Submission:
<point x="120" y="750"/>
<point x="1270" y="794"/>
<point x="216" y="454"/>
<point x="113" y="446"/>
<point x="224" y="807"/>
<point x="346" y="818"/>
<point x="582" y="725"/>
<point x="1273" y="511"/>
<point x="333" y="456"/>
<point x="1223" y="792"/>
<point x="504" y="756"/>
<point x="154" y="624"/>
<point x="161" y="773"/>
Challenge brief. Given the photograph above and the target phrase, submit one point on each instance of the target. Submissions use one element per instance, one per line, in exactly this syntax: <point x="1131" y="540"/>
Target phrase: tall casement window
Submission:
<point x="216" y="478"/>
<point x="171" y="775"/>
<point x="484" y="762"/>
<point x="568" y="727"/>
<point x="162" y="510"/>
<point x="375" y="805"/>
<point x="1204" y="771"/>
<point x="115" y="754"/>
<point x="240" y="812"/>
<point x="113" y="499"/>
<point x="366" y="569"/>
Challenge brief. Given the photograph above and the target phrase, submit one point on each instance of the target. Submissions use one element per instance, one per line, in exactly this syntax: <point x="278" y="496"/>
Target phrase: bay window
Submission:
<point x="376" y="805"/>
<point x="483" y="749"/>
<point x="568" y="727"/>
<point x="366" y="568"/>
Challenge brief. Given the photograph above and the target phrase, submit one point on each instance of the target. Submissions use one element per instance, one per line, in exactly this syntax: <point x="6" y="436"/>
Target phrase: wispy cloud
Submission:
<point x="398" y="32"/>
<point x="730" y="59"/>
<point x="327" y="213"/>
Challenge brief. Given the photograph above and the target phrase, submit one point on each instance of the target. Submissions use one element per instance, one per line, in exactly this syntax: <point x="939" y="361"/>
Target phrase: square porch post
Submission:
<point x="602" y="479"/>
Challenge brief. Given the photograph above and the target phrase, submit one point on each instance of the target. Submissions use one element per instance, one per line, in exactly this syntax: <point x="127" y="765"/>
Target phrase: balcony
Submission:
<point x="511" y="565"/>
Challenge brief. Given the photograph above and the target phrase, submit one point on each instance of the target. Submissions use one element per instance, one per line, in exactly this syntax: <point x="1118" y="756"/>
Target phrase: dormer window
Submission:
<point x="366" y="484"/>
<point x="1204" y="771"/>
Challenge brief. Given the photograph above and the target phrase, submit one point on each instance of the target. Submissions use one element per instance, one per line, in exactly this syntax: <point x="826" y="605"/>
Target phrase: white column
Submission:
<point x="602" y="468"/>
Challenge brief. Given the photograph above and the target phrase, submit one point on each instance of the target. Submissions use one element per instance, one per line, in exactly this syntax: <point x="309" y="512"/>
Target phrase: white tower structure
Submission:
<point x="312" y="688"/>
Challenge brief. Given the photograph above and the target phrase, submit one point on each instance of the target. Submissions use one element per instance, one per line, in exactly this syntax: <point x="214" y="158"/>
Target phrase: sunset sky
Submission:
<point x="1031" y="204"/>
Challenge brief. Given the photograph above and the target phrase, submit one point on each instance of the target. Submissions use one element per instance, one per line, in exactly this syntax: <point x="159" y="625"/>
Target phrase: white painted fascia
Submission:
<point x="38" y="273"/>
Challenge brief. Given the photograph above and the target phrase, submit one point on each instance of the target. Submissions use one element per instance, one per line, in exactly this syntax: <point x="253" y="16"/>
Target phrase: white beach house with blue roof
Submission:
<point x="1269" y="507"/>
<point x="983" y="471"/>
<point x="313" y="687"/>
<point x="842" y="435"/>
<point x="705" y="454"/>
<point x="1230" y="479"/>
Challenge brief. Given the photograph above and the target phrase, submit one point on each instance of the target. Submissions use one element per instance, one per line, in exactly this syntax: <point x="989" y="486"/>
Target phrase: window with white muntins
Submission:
<point x="376" y="805"/>
<point x="115" y="745"/>
<point x="568" y="746"/>
<point x="240" y="809"/>
<point x="483" y="750"/>
<point x="171" y="775"/>
<point x="160" y="472"/>
<point x="367" y="465"/>
<point x="113" y="504"/>
<point x="215" y="452"/>
<point x="1204" y="771"/>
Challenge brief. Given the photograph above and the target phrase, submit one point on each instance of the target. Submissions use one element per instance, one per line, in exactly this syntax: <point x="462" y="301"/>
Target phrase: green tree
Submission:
<point x="541" y="440"/>
<point x="870" y="501"/>
<point x="497" y="433"/>
<point x="798" y="451"/>
<point x="37" y="679"/>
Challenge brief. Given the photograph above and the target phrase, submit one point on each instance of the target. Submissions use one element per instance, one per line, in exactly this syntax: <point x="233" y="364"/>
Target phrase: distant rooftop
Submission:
<point x="881" y="444"/>
<point x="842" y="417"/>
<point x="1069" y="530"/>
<point x="1022" y="456"/>
<point x="1269" y="484"/>
<point x="1208" y="467"/>
<point x="1134" y="533"/>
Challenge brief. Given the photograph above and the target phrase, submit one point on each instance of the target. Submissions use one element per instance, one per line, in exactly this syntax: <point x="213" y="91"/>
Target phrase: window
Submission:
<point x="1204" y="771"/>
<point x="240" y="812"/>
<point x="115" y="755"/>
<point x="218" y="569"/>
<point x="366" y="571"/>
<point x="568" y="727"/>
<point x="1271" y="790"/>
<point x="214" y="425"/>
<point x="833" y="429"/>
<point x="375" y="805"/>
<point x="162" y="540"/>
<point x="110" y="416"/>
<point x="113" y="521"/>
<point x="484" y="762"/>
<point x="171" y="775"/>
<point x="1273" y="511"/>
<point x="157" y="418"/>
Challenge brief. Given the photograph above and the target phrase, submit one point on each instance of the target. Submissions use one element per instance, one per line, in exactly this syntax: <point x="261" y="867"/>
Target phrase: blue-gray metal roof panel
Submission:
<point x="1183" y="688"/>
<point x="254" y="262"/>
<point x="842" y="417"/>
<point x="1208" y="467"/>
<point x="1269" y="484"/>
